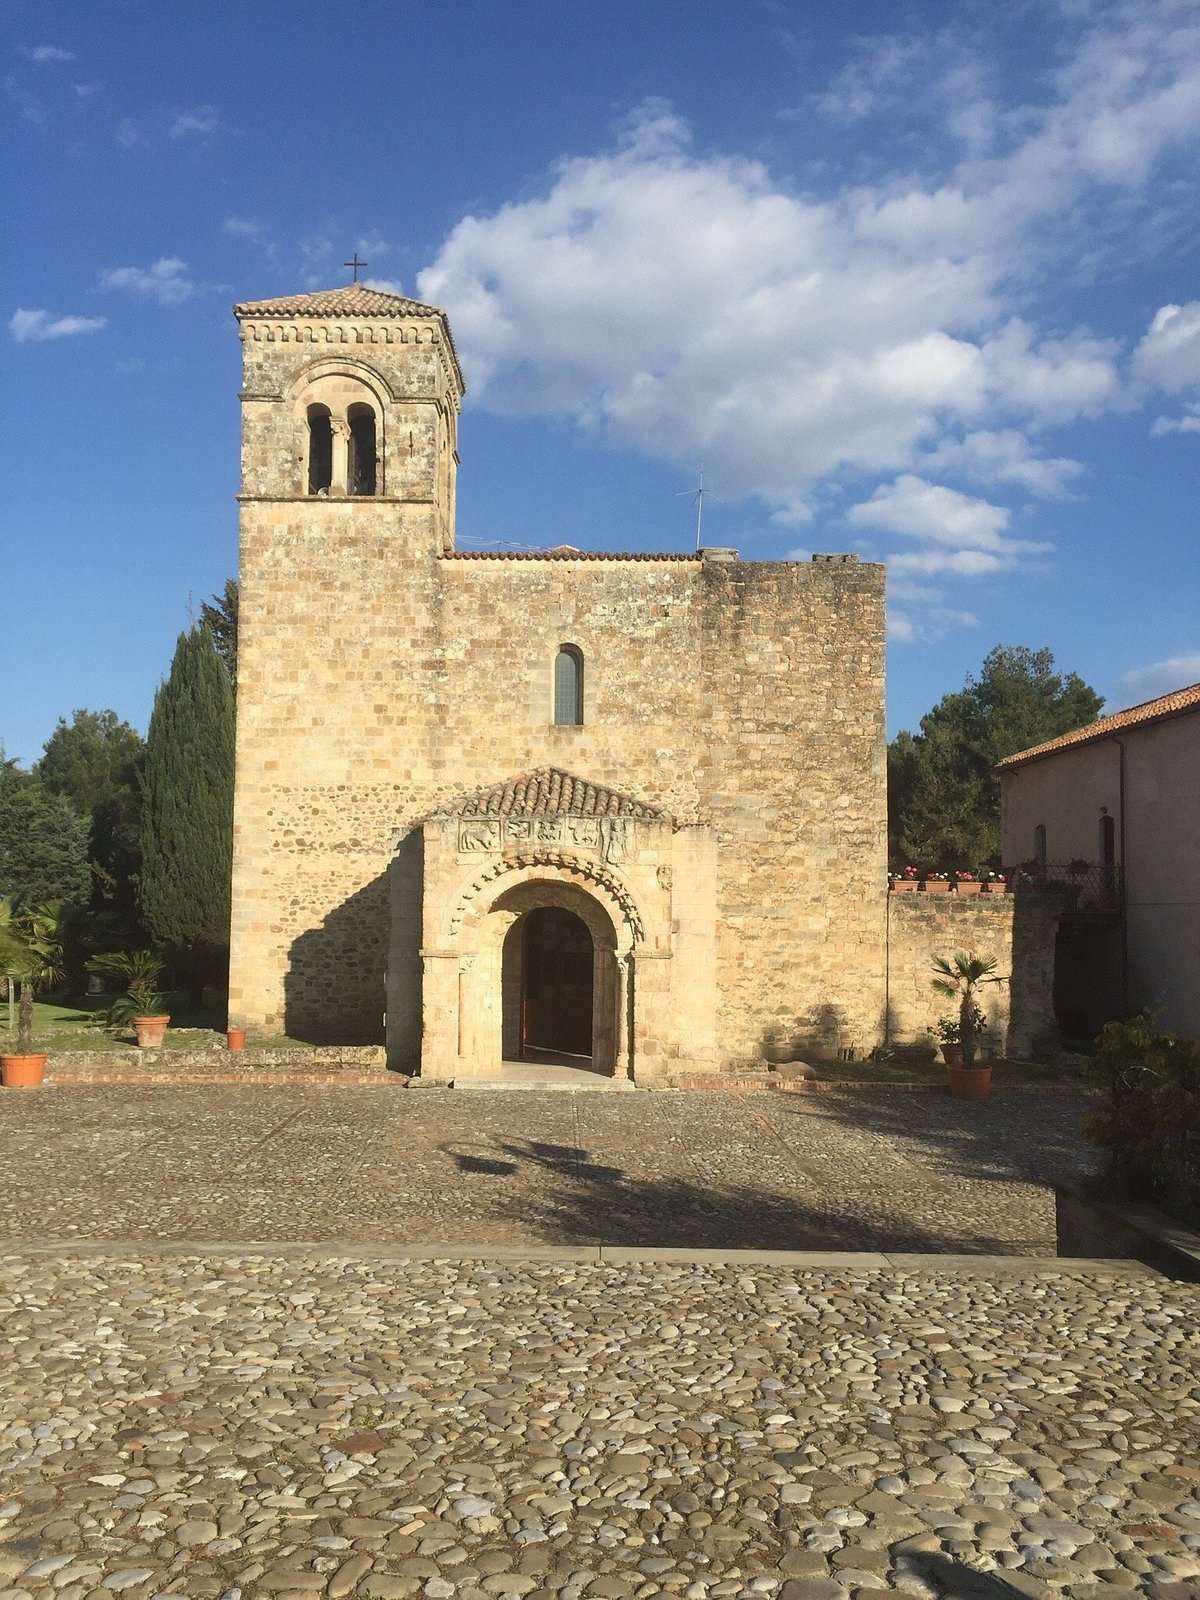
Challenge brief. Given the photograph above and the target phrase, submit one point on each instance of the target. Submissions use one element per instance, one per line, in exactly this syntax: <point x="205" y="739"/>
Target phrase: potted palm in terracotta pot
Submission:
<point x="961" y="978"/>
<point x="141" y="1006"/>
<point x="31" y="957"/>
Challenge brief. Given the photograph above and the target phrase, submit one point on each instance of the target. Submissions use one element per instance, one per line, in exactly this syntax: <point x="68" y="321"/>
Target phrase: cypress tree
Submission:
<point x="187" y="813"/>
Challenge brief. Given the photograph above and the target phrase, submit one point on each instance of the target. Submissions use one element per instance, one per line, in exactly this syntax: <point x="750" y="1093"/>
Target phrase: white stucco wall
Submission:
<point x="1065" y="793"/>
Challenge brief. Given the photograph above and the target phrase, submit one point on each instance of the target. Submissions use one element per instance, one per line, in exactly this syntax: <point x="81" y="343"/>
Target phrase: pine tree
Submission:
<point x="187" y="812"/>
<point x="943" y="800"/>
<point x="43" y="843"/>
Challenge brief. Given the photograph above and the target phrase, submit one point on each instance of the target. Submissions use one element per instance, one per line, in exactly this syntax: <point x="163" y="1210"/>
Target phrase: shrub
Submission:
<point x="1148" y="1118"/>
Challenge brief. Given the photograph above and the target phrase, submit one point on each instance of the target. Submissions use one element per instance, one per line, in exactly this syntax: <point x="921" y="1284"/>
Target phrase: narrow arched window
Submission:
<point x="568" y="686"/>
<point x="320" y="450"/>
<point x="1039" y="844"/>
<point x="360" y="466"/>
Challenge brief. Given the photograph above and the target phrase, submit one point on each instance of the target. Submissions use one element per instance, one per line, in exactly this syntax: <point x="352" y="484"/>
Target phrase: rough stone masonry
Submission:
<point x="410" y="796"/>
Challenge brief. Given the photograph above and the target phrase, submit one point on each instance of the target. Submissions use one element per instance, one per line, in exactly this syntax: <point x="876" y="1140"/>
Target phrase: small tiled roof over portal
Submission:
<point x="1176" y="704"/>
<point x="551" y="792"/>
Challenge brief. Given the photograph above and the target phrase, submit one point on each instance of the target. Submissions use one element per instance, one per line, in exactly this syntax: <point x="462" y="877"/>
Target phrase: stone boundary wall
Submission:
<point x="1018" y="930"/>
<point x="299" y="1063"/>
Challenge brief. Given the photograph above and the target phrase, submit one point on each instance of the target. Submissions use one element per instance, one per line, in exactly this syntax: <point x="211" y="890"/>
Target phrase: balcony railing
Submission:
<point x="1086" y="887"/>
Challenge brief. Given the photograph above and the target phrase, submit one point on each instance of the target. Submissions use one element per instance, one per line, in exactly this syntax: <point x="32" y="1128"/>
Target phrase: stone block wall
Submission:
<point x="1019" y="931"/>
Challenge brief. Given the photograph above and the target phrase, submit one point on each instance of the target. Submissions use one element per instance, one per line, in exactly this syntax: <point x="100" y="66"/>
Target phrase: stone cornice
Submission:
<point x="360" y="331"/>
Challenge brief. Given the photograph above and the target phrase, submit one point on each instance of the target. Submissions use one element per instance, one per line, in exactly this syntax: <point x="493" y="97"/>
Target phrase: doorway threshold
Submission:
<point x="542" y="1075"/>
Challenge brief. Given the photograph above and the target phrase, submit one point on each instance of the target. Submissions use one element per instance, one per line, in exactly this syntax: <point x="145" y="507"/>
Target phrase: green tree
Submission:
<point x="187" y="812"/>
<point x="943" y="801"/>
<point x="220" y="617"/>
<point x="91" y="759"/>
<point x="43" y="843"/>
<point x="94" y="761"/>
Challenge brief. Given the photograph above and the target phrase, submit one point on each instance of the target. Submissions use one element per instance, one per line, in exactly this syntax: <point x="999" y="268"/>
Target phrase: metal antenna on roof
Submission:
<point x="697" y="494"/>
<point x="480" y="542"/>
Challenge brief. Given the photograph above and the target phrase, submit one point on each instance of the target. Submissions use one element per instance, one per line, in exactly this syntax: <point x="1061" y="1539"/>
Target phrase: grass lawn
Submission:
<point x="70" y="1024"/>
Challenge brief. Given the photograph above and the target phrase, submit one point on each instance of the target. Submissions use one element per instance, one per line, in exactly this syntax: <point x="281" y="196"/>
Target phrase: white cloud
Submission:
<point x="694" y="305"/>
<point x="1168" y="356"/>
<point x="929" y="626"/>
<point x="129" y="133"/>
<point x="1003" y="456"/>
<point x="32" y="327"/>
<point x="1160" y="677"/>
<point x="1188" y="423"/>
<point x="954" y="563"/>
<point x="166" y="281"/>
<point x="385" y="285"/>
<point x="929" y="511"/>
<point x="242" y="228"/>
<point x="873" y="79"/>
<point x="45" y="54"/>
<point x="198" y="120"/>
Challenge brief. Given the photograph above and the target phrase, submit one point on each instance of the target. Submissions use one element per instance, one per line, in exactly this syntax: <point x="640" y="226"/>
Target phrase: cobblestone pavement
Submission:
<point x="199" y="1424"/>
<point x="857" y="1170"/>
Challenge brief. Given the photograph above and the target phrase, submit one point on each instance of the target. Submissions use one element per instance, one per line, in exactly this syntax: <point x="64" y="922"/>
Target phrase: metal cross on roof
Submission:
<point x="354" y="263"/>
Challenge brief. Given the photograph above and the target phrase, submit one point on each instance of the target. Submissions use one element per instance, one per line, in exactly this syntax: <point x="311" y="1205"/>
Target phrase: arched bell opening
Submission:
<point x="320" y="449"/>
<point x="361" y="458"/>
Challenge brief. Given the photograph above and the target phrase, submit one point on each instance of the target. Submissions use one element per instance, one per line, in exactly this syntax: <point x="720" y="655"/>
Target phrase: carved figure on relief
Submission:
<point x="616" y="840"/>
<point x="474" y="837"/>
<point x="583" y="831"/>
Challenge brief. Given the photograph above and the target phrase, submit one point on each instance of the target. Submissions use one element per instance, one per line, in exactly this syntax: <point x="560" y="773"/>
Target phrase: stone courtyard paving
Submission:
<point x="301" y="1423"/>
<point x="855" y="1170"/>
<point x="324" y="1417"/>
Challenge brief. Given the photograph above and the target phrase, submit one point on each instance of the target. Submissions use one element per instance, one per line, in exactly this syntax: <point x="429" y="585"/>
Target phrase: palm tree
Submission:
<point x="961" y="979"/>
<point x="31" y="955"/>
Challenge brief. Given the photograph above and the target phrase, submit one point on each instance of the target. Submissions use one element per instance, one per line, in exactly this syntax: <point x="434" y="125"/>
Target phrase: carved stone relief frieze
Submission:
<point x="477" y="835"/>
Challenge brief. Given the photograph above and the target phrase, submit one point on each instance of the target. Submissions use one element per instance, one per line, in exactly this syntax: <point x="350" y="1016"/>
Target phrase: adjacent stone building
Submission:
<point x="621" y="808"/>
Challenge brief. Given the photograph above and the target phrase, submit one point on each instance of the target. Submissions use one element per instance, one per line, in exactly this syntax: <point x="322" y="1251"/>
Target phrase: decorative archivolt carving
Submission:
<point x="592" y="872"/>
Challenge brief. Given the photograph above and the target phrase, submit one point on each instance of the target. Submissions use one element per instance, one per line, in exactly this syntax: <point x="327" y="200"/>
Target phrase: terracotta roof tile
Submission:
<point x="550" y="792"/>
<point x="354" y="300"/>
<point x="564" y="555"/>
<point x="1175" y="704"/>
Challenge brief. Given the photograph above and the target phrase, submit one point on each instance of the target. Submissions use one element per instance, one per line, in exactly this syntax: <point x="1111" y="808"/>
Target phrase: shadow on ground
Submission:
<point x="576" y="1199"/>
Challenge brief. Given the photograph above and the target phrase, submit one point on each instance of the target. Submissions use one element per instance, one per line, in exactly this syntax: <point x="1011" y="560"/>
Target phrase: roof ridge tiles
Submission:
<point x="1174" y="704"/>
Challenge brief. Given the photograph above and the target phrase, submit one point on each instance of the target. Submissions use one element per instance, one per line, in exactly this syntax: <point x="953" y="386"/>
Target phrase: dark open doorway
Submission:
<point x="557" y="963"/>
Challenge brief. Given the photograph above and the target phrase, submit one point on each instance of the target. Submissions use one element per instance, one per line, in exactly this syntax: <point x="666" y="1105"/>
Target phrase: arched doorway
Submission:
<point x="557" y="979"/>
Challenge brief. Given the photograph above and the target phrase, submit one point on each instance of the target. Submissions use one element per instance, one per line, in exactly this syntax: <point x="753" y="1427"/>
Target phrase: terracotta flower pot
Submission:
<point x="970" y="1083"/>
<point x="999" y="887"/>
<point x="973" y="887"/>
<point x="150" y="1031"/>
<point x="22" y="1072"/>
<point x="952" y="1055"/>
<point x="936" y="886"/>
<point x="904" y="885"/>
<point x="235" y="1038"/>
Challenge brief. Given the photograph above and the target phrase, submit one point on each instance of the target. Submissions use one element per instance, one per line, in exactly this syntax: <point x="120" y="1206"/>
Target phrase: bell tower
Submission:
<point x="351" y="396"/>
<point x="350" y="401"/>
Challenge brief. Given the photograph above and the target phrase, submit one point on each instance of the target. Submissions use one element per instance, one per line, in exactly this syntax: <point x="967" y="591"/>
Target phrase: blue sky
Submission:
<point x="925" y="287"/>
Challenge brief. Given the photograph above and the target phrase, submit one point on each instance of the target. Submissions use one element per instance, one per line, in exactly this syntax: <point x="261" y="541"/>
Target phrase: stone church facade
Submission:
<point x="610" y="808"/>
